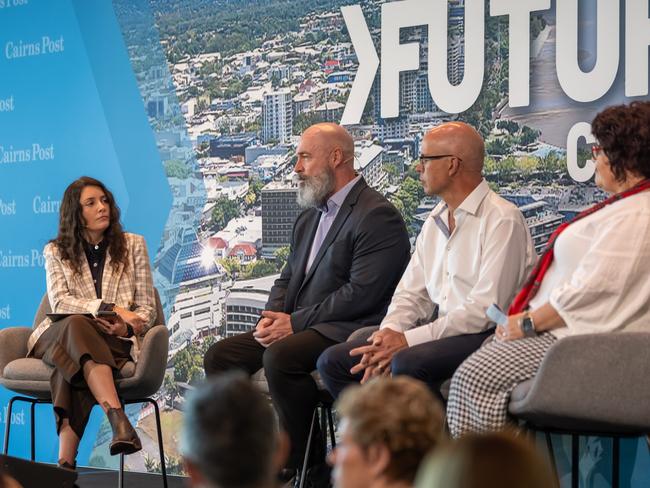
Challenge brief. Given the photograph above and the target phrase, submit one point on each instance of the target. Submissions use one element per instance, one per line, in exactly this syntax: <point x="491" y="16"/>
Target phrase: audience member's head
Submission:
<point x="230" y="436"/>
<point x="7" y="481"/>
<point x="495" y="460"/>
<point x="387" y="427"/>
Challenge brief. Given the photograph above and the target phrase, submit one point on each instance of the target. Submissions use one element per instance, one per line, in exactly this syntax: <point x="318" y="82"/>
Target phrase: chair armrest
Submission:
<point x="13" y="344"/>
<point x="152" y="361"/>
<point x="363" y="333"/>
<point x="598" y="379"/>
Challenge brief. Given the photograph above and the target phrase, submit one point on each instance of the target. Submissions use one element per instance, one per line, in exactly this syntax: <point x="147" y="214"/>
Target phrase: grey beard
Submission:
<point x="314" y="190"/>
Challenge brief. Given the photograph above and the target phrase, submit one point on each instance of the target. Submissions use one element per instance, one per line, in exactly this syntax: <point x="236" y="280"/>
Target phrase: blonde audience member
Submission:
<point x="495" y="460"/>
<point x="388" y="426"/>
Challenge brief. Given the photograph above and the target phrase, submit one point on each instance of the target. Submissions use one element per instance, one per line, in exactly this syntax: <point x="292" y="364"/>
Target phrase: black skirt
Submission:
<point x="66" y="345"/>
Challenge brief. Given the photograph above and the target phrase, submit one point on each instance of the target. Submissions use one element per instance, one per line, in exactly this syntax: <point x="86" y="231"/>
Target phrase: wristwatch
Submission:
<point x="527" y="325"/>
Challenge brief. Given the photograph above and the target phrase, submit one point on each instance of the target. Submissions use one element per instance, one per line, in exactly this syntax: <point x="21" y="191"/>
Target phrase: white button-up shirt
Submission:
<point x="485" y="260"/>
<point x="598" y="281"/>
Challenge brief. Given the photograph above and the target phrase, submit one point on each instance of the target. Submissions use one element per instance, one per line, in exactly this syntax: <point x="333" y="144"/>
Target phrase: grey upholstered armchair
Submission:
<point x="593" y="384"/>
<point x="136" y="382"/>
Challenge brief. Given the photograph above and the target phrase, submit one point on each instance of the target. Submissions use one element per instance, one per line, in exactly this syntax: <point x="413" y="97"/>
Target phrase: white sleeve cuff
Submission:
<point x="418" y="335"/>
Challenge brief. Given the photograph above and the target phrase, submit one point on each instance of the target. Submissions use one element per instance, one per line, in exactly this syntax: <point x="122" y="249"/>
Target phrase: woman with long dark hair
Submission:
<point x="99" y="277"/>
<point x="591" y="278"/>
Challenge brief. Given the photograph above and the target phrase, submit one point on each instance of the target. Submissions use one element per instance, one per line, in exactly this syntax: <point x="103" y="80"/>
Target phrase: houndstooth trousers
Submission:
<point x="480" y="389"/>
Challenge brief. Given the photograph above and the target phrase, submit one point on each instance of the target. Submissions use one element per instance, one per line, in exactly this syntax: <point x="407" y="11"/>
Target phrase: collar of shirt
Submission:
<point x="95" y="249"/>
<point x="470" y="205"/>
<point x="336" y="200"/>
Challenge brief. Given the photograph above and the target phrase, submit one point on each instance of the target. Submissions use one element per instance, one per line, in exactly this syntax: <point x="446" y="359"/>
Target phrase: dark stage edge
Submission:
<point x="106" y="478"/>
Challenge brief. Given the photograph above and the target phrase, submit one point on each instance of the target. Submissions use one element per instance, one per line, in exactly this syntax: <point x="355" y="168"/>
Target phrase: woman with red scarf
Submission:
<point x="591" y="278"/>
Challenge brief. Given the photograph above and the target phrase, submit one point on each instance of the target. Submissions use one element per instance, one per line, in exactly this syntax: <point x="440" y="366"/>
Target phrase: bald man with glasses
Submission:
<point x="474" y="250"/>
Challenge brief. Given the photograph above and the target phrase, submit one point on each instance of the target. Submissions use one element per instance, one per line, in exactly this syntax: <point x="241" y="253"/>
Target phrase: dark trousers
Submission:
<point x="433" y="362"/>
<point x="288" y="364"/>
<point x="66" y="345"/>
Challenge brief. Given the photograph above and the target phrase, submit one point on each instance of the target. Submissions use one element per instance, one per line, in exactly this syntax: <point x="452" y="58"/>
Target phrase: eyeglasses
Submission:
<point x="596" y="150"/>
<point x="423" y="158"/>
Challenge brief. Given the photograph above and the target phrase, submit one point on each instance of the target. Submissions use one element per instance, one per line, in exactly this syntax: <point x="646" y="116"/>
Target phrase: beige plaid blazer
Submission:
<point x="129" y="286"/>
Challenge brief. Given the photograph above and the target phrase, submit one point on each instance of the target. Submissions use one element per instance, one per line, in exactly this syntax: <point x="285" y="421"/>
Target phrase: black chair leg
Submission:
<point x="323" y="426"/>
<point x="330" y="420"/>
<point x="10" y="406"/>
<point x="8" y="424"/>
<point x="616" y="450"/>
<point x="161" y="449"/>
<point x="551" y="453"/>
<point x="305" y="463"/>
<point x="32" y="431"/>
<point x="120" y="476"/>
<point x="575" y="461"/>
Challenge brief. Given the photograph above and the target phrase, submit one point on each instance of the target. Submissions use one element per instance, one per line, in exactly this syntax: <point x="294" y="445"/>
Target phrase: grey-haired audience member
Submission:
<point x="230" y="437"/>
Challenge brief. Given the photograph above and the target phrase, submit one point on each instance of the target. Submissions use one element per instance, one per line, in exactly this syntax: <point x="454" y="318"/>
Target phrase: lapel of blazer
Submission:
<point x="110" y="280"/>
<point x="337" y="225"/>
<point x="304" y="247"/>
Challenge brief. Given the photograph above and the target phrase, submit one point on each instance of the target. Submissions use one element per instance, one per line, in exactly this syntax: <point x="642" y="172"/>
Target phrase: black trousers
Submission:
<point x="433" y="362"/>
<point x="288" y="364"/>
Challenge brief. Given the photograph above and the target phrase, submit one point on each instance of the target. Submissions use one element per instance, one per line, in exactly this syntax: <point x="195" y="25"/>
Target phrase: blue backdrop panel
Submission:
<point x="75" y="109"/>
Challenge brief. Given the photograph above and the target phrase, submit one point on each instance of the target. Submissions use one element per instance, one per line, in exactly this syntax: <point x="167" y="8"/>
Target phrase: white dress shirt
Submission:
<point x="484" y="260"/>
<point x="599" y="280"/>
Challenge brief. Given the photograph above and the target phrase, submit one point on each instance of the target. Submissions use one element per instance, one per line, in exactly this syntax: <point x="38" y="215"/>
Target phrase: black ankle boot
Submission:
<point x="66" y="465"/>
<point x="125" y="439"/>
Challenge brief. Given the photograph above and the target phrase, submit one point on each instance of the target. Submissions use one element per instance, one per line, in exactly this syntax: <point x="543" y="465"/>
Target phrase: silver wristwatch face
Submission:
<point x="527" y="327"/>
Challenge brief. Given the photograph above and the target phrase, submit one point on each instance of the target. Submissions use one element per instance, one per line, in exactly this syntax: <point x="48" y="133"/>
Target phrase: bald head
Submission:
<point x="461" y="140"/>
<point x="324" y="163"/>
<point x="329" y="136"/>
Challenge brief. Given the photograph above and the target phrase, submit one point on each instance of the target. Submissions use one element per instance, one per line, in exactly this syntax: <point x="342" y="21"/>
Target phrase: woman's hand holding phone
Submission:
<point x="112" y="324"/>
<point x="132" y="318"/>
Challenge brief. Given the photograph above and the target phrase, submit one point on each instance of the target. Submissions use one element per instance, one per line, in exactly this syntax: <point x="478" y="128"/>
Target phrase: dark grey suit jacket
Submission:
<point x="354" y="274"/>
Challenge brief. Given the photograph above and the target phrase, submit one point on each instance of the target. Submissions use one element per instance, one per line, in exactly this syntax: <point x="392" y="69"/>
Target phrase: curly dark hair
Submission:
<point x="70" y="238"/>
<point x="623" y="132"/>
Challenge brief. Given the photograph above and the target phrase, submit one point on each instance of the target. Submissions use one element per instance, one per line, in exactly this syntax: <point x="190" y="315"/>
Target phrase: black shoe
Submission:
<point x="61" y="463"/>
<point x="125" y="439"/>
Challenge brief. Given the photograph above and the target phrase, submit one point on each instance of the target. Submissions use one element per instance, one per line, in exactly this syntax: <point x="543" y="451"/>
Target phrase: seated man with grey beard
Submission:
<point x="348" y="251"/>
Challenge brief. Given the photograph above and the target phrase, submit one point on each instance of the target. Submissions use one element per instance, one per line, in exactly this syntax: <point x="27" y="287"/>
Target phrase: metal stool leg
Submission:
<point x="120" y="477"/>
<point x="616" y="453"/>
<point x="161" y="450"/>
<point x="8" y="423"/>
<point x="551" y="453"/>
<point x="32" y="422"/>
<point x="303" y="472"/>
<point x="33" y="430"/>
<point x="160" y="442"/>
<point x="323" y="426"/>
<point x="330" y="420"/>
<point x="575" y="461"/>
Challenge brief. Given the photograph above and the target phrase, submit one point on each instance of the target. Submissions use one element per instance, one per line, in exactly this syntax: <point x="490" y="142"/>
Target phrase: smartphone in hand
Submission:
<point x="497" y="315"/>
<point x="106" y="314"/>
